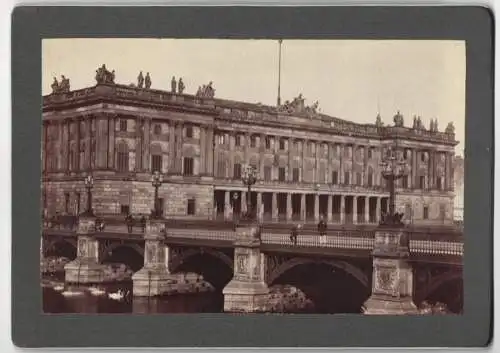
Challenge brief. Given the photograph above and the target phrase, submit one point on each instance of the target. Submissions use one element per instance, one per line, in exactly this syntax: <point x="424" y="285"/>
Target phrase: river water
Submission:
<point x="85" y="303"/>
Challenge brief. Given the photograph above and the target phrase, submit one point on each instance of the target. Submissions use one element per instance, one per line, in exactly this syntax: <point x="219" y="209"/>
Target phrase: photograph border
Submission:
<point x="32" y="328"/>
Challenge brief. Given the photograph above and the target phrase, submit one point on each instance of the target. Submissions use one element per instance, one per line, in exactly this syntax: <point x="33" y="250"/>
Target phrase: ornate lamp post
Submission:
<point x="393" y="168"/>
<point x="156" y="181"/>
<point x="89" y="184"/>
<point x="249" y="178"/>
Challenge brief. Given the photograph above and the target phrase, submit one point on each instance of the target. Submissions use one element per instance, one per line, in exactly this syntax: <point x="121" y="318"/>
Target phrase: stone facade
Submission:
<point x="459" y="170"/>
<point x="309" y="165"/>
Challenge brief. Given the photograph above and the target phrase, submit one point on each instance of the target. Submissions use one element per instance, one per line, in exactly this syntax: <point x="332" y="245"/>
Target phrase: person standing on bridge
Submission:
<point x="294" y="234"/>
<point x="322" y="231"/>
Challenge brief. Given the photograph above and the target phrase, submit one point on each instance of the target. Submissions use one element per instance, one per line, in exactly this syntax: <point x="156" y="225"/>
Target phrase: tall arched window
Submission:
<point x="370" y="176"/>
<point x="156" y="158"/>
<point x="122" y="157"/>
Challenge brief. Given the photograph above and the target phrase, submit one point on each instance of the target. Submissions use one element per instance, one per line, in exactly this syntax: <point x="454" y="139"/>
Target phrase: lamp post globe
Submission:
<point x="89" y="184"/>
<point x="393" y="168"/>
<point x="156" y="181"/>
<point x="249" y="178"/>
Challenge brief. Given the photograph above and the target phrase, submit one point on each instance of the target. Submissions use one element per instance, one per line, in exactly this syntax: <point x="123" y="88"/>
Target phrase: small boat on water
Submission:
<point x="97" y="291"/>
<point x="58" y="288"/>
<point x="120" y="295"/>
<point x="68" y="293"/>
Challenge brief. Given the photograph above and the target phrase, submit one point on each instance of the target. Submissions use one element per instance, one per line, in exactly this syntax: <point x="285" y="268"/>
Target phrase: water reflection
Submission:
<point x="86" y="303"/>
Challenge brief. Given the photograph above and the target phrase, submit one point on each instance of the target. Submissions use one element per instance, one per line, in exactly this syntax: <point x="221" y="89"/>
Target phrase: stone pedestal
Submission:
<point x="392" y="283"/>
<point x="152" y="279"/>
<point x="247" y="291"/>
<point x="86" y="267"/>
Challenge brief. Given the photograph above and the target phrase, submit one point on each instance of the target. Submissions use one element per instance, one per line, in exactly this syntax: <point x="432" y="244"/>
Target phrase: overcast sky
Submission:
<point x="351" y="79"/>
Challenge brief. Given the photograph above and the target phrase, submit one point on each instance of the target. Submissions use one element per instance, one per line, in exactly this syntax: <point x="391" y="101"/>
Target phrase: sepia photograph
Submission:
<point x="252" y="176"/>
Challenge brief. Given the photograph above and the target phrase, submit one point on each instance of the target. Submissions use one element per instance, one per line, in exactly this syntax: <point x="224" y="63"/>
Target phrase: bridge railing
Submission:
<point x="343" y="237"/>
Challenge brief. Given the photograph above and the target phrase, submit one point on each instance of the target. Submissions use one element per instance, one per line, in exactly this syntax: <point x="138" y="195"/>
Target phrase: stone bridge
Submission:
<point x="338" y="267"/>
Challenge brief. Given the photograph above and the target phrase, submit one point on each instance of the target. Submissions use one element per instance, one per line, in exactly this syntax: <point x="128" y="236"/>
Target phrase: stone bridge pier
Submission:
<point x="247" y="291"/>
<point x="392" y="281"/>
<point x="151" y="279"/>
<point x="155" y="277"/>
<point x="86" y="268"/>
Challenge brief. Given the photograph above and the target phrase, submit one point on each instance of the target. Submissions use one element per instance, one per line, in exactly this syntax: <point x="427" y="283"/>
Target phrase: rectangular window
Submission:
<point x="347" y="177"/>
<point x="359" y="180"/>
<point x="426" y="212"/>
<point x="124" y="209"/>
<point x="296" y="174"/>
<point x="267" y="173"/>
<point x="123" y="124"/>
<point x="268" y="142"/>
<point x="335" y="177"/>
<point x="370" y="153"/>
<point x="422" y="156"/>
<point x="66" y="202"/>
<point x="439" y="183"/>
<point x="282" y="144"/>
<point x="422" y="182"/>
<point x="221" y="140"/>
<point x="191" y="207"/>
<point x="189" y="131"/>
<point x="281" y="174"/>
<point x="221" y="169"/>
<point x="156" y="163"/>
<point x="370" y="179"/>
<point x="188" y="166"/>
<point x="238" y="140"/>
<point x="237" y="171"/>
<point x="442" y="212"/>
<point x="408" y="212"/>
<point x="253" y="141"/>
<point x="347" y="152"/>
<point x="122" y="161"/>
<point x="405" y="182"/>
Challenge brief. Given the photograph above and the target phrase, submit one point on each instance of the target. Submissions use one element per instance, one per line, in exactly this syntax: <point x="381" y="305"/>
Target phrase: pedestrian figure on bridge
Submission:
<point x="99" y="225"/>
<point x="130" y="222"/>
<point x="322" y="231"/>
<point x="294" y="234"/>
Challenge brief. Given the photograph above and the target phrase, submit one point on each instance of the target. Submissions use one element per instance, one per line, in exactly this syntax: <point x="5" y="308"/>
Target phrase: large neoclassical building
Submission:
<point x="309" y="164"/>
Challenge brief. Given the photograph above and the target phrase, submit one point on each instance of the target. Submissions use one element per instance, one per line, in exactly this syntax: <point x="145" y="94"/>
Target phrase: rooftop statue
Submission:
<point x="181" y="86"/>
<point x="55" y="86"/>
<point x="206" y="91"/>
<point x="147" y="81"/>
<point x="60" y="87"/>
<point x="103" y="75"/>
<point x="173" y="85"/>
<point x="450" y="129"/>
<point x="140" y="80"/>
<point x="297" y="106"/>
<point x="378" y="121"/>
<point x="434" y="125"/>
<point x="398" y="120"/>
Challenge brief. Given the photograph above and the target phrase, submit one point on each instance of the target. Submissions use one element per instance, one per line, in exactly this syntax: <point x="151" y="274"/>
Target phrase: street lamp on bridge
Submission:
<point x="249" y="178"/>
<point x="393" y="168"/>
<point x="89" y="184"/>
<point x="156" y="181"/>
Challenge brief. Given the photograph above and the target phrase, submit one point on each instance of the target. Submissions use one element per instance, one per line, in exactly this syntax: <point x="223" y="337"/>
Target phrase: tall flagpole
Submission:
<point x="279" y="73"/>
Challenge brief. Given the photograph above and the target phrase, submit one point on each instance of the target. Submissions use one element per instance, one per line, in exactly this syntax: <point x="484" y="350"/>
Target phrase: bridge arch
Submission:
<point x="337" y="264"/>
<point x="129" y="254"/>
<point x="437" y="282"/>
<point x="215" y="266"/>
<point x="186" y="255"/>
<point x="64" y="247"/>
